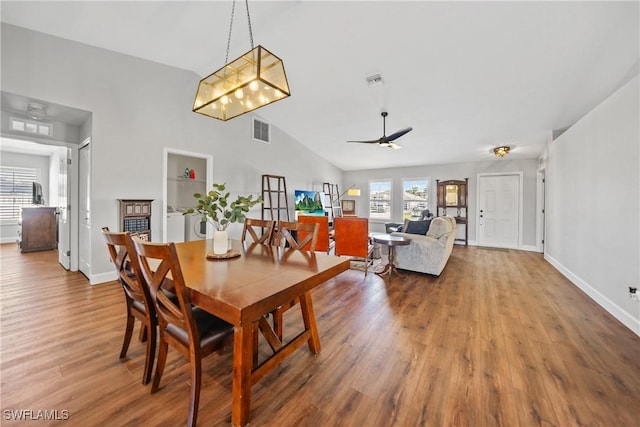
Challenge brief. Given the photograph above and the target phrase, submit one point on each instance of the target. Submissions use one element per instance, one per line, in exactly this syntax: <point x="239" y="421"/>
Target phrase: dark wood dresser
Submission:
<point x="37" y="229"/>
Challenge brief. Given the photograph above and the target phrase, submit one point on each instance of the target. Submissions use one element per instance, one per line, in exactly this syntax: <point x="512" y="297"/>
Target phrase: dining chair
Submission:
<point x="136" y="293"/>
<point x="297" y="235"/>
<point x="251" y="226"/>
<point x="189" y="329"/>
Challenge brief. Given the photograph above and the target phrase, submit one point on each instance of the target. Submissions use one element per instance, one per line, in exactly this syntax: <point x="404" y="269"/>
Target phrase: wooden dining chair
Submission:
<point x="252" y="225"/>
<point x="297" y="235"/>
<point x="137" y="297"/>
<point x="189" y="329"/>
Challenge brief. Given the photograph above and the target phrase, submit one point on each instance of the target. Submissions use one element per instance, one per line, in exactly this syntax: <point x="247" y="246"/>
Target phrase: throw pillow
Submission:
<point x="417" y="227"/>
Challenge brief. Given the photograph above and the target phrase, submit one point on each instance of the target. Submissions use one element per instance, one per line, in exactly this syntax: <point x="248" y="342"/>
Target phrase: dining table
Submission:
<point x="243" y="289"/>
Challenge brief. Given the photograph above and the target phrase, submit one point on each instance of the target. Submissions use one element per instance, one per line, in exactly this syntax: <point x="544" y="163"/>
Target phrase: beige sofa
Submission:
<point x="428" y="253"/>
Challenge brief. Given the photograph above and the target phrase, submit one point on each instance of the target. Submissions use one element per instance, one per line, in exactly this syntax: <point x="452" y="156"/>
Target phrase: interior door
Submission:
<point x="64" y="231"/>
<point x="499" y="211"/>
<point x="84" y="211"/>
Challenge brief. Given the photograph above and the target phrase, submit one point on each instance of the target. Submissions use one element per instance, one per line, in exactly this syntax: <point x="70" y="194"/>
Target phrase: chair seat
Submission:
<point x="210" y="328"/>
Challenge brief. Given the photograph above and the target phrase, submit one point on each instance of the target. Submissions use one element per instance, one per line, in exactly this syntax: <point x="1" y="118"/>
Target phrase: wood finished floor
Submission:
<point x="499" y="339"/>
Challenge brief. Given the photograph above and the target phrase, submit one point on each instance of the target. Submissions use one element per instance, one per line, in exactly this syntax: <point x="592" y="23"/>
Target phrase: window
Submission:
<point x="380" y="200"/>
<point x="16" y="188"/>
<point x="415" y="197"/>
<point x="39" y="128"/>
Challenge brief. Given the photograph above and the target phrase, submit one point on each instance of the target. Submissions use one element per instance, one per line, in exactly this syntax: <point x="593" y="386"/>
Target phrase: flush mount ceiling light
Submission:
<point x="249" y="82"/>
<point x="36" y="111"/>
<point x="501" y="151"/>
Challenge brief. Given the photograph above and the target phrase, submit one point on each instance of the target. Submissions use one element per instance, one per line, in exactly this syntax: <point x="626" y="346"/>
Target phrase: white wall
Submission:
<point x="447" y="172"/>
<point x="592" y="206"/>
<point x="140" y="107"/>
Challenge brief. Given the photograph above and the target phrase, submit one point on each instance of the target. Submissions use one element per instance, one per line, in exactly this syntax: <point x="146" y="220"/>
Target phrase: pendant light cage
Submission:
<point x="253" y="80"/>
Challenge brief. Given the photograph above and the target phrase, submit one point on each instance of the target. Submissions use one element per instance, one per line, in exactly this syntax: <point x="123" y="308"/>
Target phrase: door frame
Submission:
<point x="85" y="144"/>
<point x="540" y="210"/>
<point x="520" y="176"/>
<point x="165" y="163"/>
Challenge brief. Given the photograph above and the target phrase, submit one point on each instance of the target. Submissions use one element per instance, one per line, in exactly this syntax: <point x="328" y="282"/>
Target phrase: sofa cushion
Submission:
<point x="417" y="227"/>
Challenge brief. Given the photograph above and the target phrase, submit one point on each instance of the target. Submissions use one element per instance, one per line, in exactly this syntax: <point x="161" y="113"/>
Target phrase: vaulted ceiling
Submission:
<point x="467" y="76"/>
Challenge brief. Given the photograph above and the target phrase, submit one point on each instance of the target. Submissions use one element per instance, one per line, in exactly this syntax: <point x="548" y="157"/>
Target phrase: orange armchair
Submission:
<point x="352" y="238"/>
<point x="322" y="244"/>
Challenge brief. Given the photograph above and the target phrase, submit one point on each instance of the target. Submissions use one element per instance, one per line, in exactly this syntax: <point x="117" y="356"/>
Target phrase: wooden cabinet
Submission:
<point x="135" y="217"/>
<point x="453" y="200"/>
<point x="37" y="229"/>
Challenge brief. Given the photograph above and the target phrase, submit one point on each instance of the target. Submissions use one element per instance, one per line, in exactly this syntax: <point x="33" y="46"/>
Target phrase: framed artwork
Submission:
<point x="348" y="207"/>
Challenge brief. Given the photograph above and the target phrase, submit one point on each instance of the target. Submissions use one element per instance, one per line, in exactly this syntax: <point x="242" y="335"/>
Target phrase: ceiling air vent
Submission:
<point x="375" y="80"/>
<point x="261" y="131"/>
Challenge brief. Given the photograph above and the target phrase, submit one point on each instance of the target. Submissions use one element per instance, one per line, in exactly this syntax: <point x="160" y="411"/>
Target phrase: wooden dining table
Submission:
<point x="244" y="289"/>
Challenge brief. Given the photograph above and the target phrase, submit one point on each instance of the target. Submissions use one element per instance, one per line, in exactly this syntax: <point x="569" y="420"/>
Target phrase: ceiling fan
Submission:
<point x="387" y="141"/>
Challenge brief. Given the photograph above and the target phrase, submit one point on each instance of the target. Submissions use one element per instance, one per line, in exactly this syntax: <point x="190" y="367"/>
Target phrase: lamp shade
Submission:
<point x="253" y="80"/>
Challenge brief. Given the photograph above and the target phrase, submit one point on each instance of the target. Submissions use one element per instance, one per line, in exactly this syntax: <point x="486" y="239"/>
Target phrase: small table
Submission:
<point x="391" y="242"/>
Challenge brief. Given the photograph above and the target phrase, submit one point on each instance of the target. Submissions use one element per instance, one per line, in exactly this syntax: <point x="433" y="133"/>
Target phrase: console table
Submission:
<point x="38" y="229"/>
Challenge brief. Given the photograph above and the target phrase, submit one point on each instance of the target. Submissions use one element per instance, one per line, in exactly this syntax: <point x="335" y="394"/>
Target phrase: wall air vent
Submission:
<point x="261" y="131"/>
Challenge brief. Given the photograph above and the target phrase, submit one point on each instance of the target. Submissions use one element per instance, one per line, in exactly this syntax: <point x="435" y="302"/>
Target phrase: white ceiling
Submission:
<point x="467" y="76"/>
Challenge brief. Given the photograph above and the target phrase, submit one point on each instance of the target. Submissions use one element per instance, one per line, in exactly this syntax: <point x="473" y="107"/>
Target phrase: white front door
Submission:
<point x="84" y="212"/>
<point x="499" y="210"/>
<point x="63" y="211"/>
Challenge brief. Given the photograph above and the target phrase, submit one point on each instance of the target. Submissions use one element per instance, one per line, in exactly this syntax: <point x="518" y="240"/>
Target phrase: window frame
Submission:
<point x="371" y="200"/>
<point x="405" y="201"/>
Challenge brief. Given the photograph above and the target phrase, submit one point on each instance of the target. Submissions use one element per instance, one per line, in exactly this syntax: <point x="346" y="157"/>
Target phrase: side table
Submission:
<point x="391" y="242"/>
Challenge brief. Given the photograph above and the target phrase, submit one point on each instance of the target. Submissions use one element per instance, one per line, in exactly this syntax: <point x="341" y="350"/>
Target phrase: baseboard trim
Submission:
<point x="97" y="279"/>
<point x="624" y="317"/>
<point x="8" y="240"/>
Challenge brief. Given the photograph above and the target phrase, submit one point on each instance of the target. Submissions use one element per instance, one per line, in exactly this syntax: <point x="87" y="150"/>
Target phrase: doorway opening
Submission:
<point x="184" y="173"/>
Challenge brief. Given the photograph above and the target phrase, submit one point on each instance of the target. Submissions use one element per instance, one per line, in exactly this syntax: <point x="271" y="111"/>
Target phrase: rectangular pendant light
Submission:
<point x="253" y="80"/>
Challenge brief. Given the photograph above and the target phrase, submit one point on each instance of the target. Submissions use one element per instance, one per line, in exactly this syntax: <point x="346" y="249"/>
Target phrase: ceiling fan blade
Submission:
<point x="373" y="141"/>
<point x="398" y="134"/>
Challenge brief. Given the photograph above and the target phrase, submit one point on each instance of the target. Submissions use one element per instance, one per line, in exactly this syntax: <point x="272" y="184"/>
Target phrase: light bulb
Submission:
<point x="249" y="104"/>
<point x="254" y="86"/>
<point x="224" y="100"/>
<point x="239" y="93"/>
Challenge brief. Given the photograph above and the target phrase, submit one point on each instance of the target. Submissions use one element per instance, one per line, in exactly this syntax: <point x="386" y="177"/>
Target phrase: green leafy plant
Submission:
<point x="216" y="208"/>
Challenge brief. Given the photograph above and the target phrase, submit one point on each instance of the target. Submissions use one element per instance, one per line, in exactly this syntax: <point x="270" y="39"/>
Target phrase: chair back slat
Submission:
<point x="158" y="261"/>
<point x="251" y="225"/>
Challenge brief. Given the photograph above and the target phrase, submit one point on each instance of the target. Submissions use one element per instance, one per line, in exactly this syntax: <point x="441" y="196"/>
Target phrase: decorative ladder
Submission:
<point x="275" y="205"/>
<point x="331" y="190"/>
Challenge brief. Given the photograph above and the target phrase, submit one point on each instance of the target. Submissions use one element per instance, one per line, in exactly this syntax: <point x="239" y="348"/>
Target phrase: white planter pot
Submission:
<point x="220" y="242"/>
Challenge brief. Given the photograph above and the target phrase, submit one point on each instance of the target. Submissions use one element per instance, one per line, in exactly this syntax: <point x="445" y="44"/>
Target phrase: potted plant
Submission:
<point x="215" y="208"/>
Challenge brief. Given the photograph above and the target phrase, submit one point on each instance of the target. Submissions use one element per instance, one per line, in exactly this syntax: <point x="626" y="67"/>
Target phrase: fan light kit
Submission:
<point x="501" y="151"/>
<point x="387" y="141"/>
<point x="251" y="81"/>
